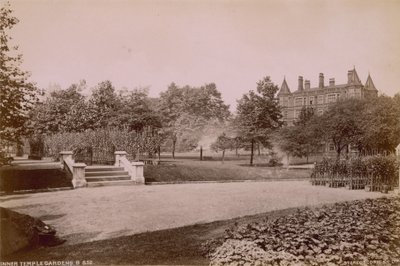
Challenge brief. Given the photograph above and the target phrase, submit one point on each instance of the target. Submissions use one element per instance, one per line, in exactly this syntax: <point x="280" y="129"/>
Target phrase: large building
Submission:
<point x="320" y="97"/>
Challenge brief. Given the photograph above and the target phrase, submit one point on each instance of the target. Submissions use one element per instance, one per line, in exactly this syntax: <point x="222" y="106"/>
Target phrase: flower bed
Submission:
<point x="352" y="233"/>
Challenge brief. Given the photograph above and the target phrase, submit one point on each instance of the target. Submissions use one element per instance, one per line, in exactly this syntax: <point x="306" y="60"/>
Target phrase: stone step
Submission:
<point x="101" y="168"/>
<point x="111" y="183"/>
<point x="107" y="178"/>
<point x="105" y="173"/>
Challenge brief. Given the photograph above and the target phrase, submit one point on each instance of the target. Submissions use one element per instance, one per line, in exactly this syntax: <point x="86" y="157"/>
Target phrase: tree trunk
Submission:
<point x="173" y="148"/>
<point x="338" y="151"/>
<point x="252" y="152"/>
<point x="201" y="153"/>
<point x="159" y="152"/>
<point x="236" y="152"/>
<point x="223" y="155"/>
<point x="259" y="149"/>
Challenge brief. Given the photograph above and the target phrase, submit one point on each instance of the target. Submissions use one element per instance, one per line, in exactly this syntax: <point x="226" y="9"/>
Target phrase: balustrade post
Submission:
<point x="65" y="155"/>
<point x="118" y="156"/>
<point x="78" y="175"/>
<point x="138" y="176"/>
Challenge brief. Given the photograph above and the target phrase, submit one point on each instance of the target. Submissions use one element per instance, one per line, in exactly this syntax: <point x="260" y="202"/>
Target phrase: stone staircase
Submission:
<point x="97" y="176"/>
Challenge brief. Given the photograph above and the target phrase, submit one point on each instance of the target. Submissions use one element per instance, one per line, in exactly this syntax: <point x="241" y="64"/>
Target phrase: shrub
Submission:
<point x="119" y="139"/>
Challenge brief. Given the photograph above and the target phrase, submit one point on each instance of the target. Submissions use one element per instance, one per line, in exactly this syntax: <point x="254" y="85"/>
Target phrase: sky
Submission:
<point x="231" y="43"/>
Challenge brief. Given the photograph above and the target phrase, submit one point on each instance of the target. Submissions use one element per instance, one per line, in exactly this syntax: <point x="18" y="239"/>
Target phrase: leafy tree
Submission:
<point x="17" y="95"/>
<point x="380" y="124"/>
<point x="223" y="143"/>
<point x="62" y="111"/>
<point x="137" y="111"/>
<point x="340" y="124"/>
<point x="258" y="114"/>
<point x="104" y="104"/>
<point x="298" y="140"/>
<point x="186" y="110"/>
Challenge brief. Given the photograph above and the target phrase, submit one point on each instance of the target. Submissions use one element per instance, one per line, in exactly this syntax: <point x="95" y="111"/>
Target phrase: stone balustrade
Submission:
<point x="135" y="169"/>
<point x="76" y="170"/>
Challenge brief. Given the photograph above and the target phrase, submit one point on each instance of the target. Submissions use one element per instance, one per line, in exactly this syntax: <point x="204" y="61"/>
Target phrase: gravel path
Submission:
<point x="100" y="213"/>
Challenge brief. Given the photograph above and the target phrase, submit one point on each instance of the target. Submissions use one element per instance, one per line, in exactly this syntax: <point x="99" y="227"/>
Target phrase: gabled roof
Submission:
<point x="284" y="88"/>
<point x="369" y="84"/>
<point x="354" y="79"/>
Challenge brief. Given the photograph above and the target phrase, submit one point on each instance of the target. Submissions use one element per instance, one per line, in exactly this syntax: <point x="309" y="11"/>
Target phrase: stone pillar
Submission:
<point x="138" y="176"/>
<point x="65" y="155"/>
<point x="78" y="175"/>
<point x="118" y="156"/>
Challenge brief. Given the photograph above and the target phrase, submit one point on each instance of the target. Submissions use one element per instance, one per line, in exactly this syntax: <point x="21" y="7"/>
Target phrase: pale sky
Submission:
<point x="231" y="43"/>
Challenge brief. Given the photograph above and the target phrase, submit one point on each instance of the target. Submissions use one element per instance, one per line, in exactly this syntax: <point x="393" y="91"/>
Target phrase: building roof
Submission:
<point x="284" y="88"/>
<point x="353" y="77"/>
<point x="369" y="84"/>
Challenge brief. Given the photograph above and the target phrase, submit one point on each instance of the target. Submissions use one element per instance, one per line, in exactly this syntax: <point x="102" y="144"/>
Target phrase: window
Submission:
<point x="298" y="101"/>
<point x="296" y="113"/>
<point x="331" y="98"/>
<point x="331" y="147"/>
<point x="320" y="99"/>
<point x="311" y="100"/>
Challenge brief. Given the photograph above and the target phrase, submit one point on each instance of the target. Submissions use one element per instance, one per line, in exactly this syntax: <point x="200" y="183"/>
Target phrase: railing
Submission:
<point x="76" y="170"/>
<point x="135" y="169"/>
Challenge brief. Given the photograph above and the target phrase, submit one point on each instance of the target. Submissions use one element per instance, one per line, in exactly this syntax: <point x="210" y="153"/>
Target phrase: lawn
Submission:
<point x="189" y="170"/>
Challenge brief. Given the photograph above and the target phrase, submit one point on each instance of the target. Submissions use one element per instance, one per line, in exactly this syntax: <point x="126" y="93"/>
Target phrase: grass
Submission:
<point x="179" y="246"/>
<point x="181" y="171"/>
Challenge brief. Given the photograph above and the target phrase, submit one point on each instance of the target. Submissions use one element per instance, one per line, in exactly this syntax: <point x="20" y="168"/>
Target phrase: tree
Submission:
<point x="177" y="104"/>
<point x="62" y="111"/>
<point x="380" y="124"/>
<point x="17" y="95"/>
<point x="340" y="124"/>
<point x="298" y="140"/>
<point x="223" y="143"/>
<point x="137" y="111"/>
<point x="258" y="114"/>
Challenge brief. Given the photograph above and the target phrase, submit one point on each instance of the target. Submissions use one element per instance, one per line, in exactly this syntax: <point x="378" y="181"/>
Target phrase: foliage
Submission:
<point x="134" y="143"/>
<point x="340" y="124"/>
<point x="258" y="114"/>
<point x="299" y="140"/>
<point x="63" y="111"/>
<point x="187" y="111"/>
<point x="223" y="143"/>
<point x="16" y="94"/>
<point x="359" y="232"/>
<point x="103" y="104"/>
<point x="136" y="111"/>
<point x="380" y="125"/>
<point x="383" y="168"/>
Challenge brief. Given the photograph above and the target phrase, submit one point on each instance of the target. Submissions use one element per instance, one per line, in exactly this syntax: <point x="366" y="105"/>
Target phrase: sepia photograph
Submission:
<point x="200" y="132"/>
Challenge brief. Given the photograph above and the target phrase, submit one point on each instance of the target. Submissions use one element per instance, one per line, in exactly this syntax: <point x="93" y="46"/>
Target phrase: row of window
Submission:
<point x="320" y="99"/>
<point x="296" y="113"/>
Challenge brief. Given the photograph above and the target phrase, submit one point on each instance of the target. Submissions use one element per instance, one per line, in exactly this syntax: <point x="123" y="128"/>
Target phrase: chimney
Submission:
<point x="332" y="82"/>
<point x="321" y="80"/>
<point x="300" y="83"/>
<point x="307" y="84"/>
<point x="349" y="76"/>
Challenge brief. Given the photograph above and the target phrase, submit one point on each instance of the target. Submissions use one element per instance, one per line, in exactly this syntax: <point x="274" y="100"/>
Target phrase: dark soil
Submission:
<point x="18" y="179"/>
